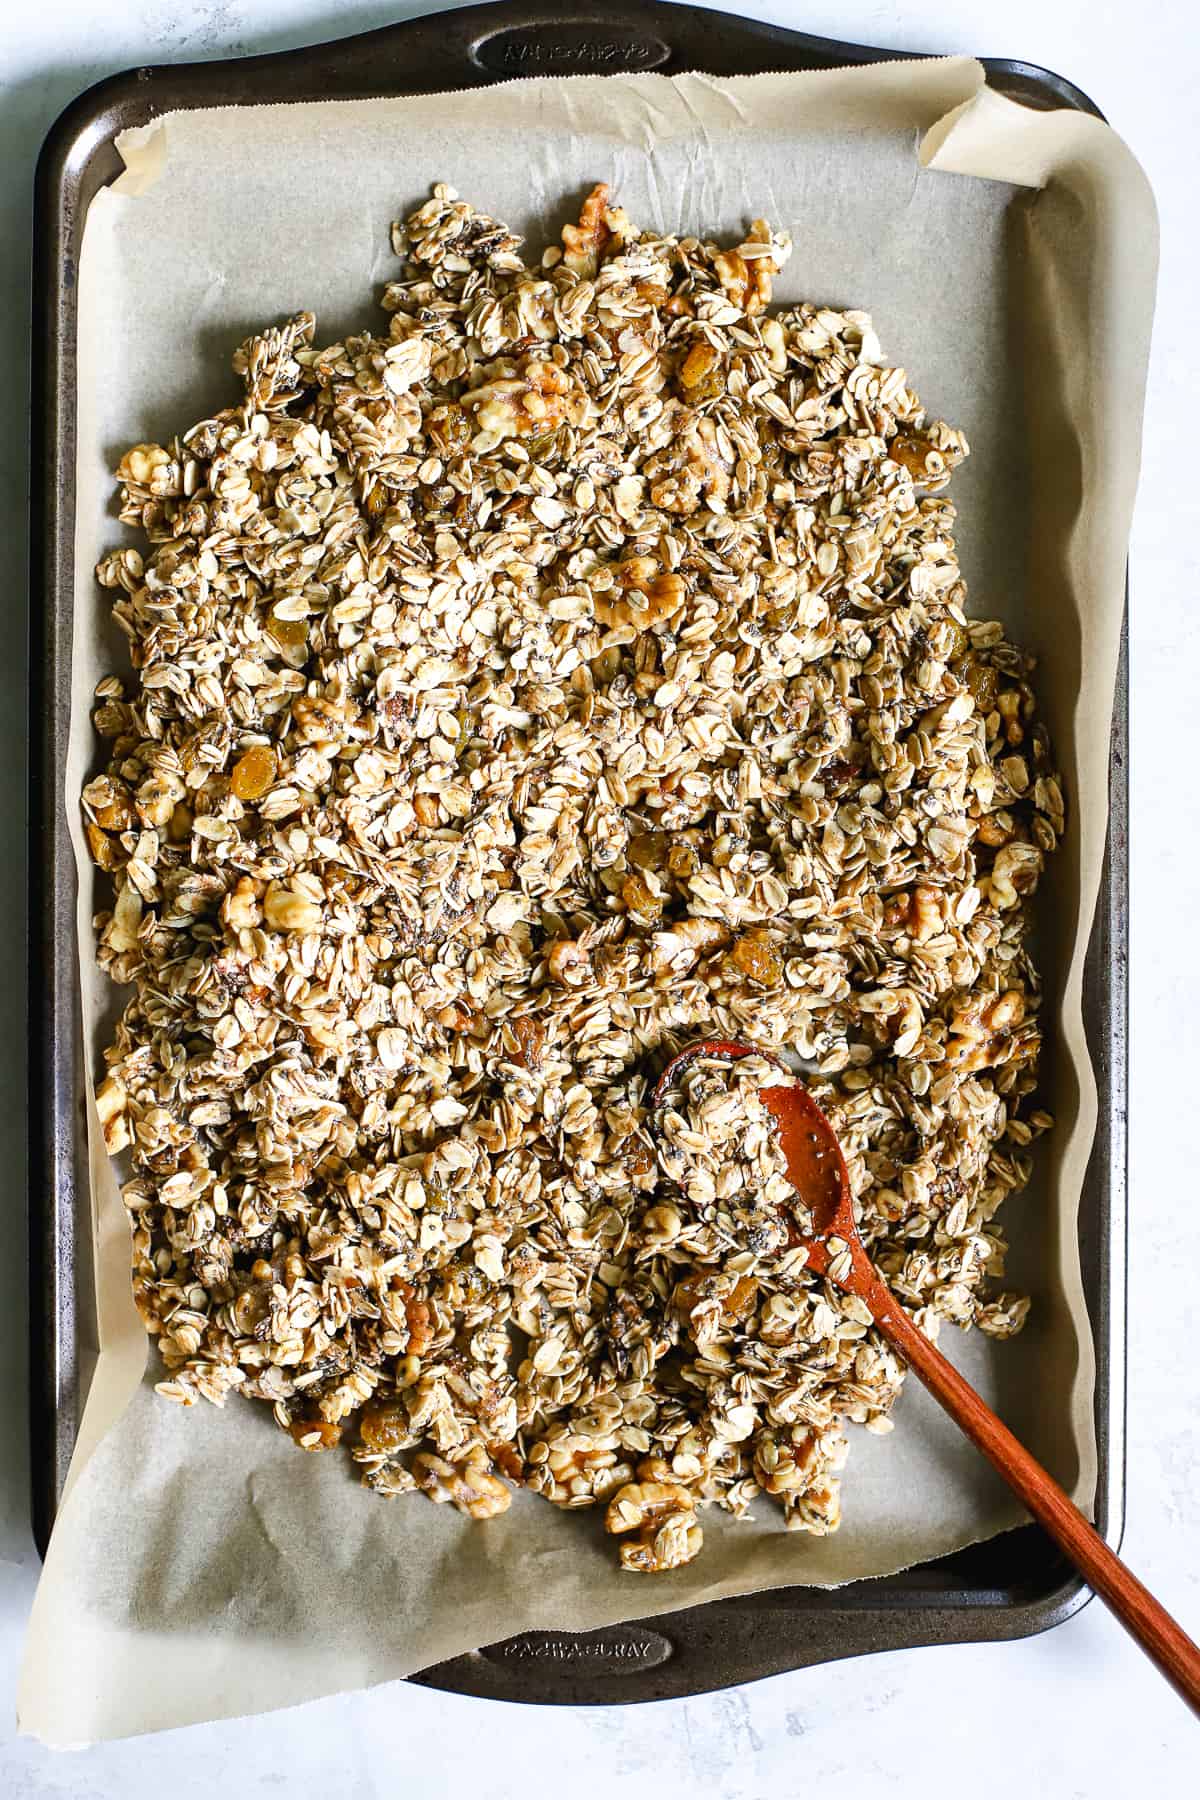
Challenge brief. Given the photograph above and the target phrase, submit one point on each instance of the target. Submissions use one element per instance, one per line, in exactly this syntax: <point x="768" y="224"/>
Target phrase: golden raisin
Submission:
<point x="640" y="898"/>
<point x="647" y="850"/>
<point x="741" y="1302"/>
<point x="252" y="1309"/>
<point x="699" y="360"/>
<point x="427" y="809"/>
<point x="958" y="639"/>
<point x="918" y="456"/>
<point x="689" y="1292"/>
<point x="449" y="429"/>
<point x="290" y="634"/>
<point x="315" y="1434"/>
<point x="736" y="1305"/>
<point x="982" y="682"/>
<point x="254" y="772"/>
<point x="683" y="860"/>
<point x="106" y="852"/>
<point x="384" y="1425"/>
<point x="755" y="956"/>
<point x="701" y="376"/>
<point x="115" y="811"/>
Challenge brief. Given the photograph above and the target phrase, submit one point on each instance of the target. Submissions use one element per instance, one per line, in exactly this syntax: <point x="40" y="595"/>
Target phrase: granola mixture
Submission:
<point x="576" y="669"/>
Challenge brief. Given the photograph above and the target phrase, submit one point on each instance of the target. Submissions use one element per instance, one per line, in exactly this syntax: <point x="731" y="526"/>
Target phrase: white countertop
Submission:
<point x="1076" y="1713"/>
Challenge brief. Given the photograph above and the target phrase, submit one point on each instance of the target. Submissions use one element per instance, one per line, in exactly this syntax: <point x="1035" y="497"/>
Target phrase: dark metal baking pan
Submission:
<point x="1009" y="1587"/>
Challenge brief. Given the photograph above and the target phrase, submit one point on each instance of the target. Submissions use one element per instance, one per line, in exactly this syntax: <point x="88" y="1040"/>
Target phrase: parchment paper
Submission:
<point x="200" y="1567"/>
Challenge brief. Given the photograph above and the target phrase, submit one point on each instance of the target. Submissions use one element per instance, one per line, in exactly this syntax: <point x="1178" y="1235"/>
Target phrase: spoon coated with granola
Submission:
<point x="824" y="1224"/>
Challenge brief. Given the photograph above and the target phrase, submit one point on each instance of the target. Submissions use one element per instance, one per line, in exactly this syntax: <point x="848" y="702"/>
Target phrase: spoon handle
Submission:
<point x="1165" y="1642"/>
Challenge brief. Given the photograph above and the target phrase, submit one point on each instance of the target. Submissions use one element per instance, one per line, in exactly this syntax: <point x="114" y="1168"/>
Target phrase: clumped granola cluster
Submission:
<point x="578" y="668"/>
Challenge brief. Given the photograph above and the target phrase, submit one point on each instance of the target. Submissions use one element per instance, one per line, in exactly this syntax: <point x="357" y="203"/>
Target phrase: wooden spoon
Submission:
<point x="817" y="1170"/>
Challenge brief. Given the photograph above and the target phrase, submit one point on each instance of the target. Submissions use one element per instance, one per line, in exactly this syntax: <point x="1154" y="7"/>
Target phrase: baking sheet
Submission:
<point x="199" y="1567"/>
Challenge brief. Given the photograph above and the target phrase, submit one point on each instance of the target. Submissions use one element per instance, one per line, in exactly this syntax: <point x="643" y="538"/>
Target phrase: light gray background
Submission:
<point x="1077" y="1712"/>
